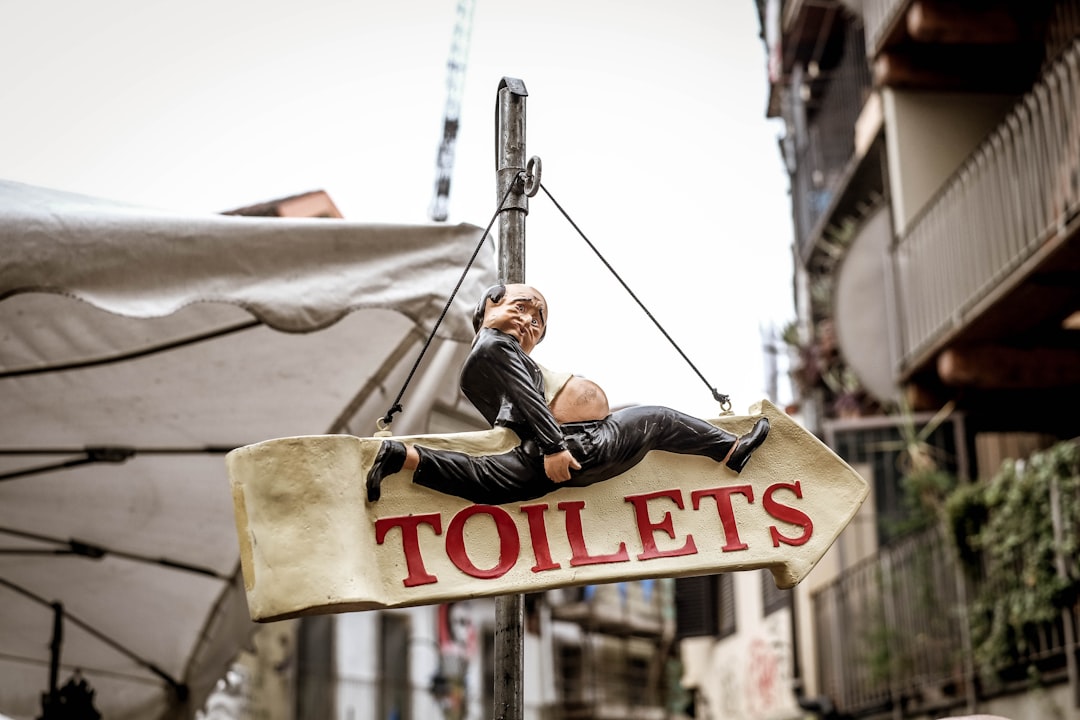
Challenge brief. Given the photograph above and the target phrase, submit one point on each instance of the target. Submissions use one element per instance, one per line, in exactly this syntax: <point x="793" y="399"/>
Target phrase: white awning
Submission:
<point x="136" y="347"/>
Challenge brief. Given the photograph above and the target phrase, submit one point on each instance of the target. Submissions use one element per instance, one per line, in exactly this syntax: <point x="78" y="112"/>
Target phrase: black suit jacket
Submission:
<point x="506" y="386"/>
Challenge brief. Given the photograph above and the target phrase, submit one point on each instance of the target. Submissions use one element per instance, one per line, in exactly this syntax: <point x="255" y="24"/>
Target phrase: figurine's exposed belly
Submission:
<point x="579" y="400"/>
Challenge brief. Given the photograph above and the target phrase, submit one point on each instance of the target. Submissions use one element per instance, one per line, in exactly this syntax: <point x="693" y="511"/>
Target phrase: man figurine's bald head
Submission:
<point x="517" y="310"/>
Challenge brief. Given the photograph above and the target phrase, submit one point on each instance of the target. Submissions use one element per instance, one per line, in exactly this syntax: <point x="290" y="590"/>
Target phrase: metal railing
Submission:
<point x="609" y="677"/>
<point x="1019" y="189"/>
<point x="878" y="19"/>
<point x="894" y="631"/>
<point x="824" y="154"/>
<point x="889" y="628"/>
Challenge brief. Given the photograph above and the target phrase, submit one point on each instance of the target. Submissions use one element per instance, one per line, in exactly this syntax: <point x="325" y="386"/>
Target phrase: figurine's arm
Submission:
<point x="510" y="373"/>
<point x="499" y="373"/>
<point x="557" y="459"/>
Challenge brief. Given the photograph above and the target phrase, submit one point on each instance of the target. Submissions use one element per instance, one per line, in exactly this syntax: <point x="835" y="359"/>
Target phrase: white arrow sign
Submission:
<point x="311" y="543"/>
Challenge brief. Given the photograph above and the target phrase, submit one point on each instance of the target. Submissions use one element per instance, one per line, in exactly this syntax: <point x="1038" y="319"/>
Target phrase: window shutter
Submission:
<point x="696" y="606"/>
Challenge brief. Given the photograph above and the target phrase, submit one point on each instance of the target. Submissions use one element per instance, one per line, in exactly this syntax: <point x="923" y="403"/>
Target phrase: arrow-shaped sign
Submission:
<point x="311" y="543"/>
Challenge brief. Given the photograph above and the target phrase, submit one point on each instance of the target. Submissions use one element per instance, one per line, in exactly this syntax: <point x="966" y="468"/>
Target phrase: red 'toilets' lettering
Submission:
<point x="576" y="535"/>
<point x="538" y="535"/>
<point x="647" y="529"/>
<point x="509" y="542"/>
<point x="410" y="542"/>
<point x="787" y="514"/>
<point x="722" y="495"/>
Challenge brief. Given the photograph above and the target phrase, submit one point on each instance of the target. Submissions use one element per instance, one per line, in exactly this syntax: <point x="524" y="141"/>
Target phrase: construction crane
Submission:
<point x="455" y="82"/>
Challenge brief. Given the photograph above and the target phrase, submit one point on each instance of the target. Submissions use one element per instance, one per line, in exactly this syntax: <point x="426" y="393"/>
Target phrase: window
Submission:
<point x="727" y="605"/>
<point x="880" y="442"/>
<point x="772" y="597"/>
<point x="705" y="605"/>
<point x="394" y="685"/>
<point x="570" y="674"/>
<point x="315" y="667"/>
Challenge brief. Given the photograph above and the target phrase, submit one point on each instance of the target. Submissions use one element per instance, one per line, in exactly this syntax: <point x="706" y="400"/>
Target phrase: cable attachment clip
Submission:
<point x="533" y="170"/>
<point x="724" y="400"/>
<point x="383" y="423"/>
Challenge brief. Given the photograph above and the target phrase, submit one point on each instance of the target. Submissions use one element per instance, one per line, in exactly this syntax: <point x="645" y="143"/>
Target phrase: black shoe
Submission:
<point x="389" y="459"/>
<point x="747" y="444"/>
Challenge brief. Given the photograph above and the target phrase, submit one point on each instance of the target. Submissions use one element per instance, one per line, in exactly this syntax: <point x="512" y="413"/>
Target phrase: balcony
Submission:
<point x="882" y="637"/>
<point x="992" y="45"/>
<point x="824" y="154"/>
<point x="894" y="635"/>
<point x="611" y="650"/>
<point x="988" y="270"/>
<point x="881" y="19"/>
<point x="606" y="678"/>
<point x="809" y="30"/>
<point x="641" y="609"/>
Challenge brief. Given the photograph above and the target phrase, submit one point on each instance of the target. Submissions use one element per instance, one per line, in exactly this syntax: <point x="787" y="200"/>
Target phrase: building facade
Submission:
<point x="933" y="148"/>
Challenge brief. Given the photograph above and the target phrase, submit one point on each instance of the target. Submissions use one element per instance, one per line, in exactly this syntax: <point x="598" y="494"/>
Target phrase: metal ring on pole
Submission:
<point x="533" y="170"/>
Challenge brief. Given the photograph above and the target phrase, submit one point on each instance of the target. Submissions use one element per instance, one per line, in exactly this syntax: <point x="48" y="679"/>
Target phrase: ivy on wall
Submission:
<point x="1004" y="534"/>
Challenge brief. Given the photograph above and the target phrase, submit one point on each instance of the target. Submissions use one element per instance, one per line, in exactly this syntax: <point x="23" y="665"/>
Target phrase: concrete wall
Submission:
<point x="747" y="676"/>
<point x="928" y="135"/>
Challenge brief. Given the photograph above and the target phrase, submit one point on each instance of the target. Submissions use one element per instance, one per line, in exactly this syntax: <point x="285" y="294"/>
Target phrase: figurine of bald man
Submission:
<point x="568" y="434"/>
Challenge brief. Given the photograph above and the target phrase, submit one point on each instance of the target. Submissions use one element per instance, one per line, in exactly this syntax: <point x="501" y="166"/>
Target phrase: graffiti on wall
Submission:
<point x="752" y="672"/>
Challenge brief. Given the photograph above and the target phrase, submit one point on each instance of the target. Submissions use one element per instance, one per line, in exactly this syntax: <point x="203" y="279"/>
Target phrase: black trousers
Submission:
<point x="604" y="448"/>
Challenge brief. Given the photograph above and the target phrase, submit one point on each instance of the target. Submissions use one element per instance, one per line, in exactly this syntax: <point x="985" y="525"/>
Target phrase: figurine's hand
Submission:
<point x="558" y="466"/>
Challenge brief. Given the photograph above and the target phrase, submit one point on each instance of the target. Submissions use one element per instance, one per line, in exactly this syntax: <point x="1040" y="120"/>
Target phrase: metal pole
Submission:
<point x="50" y="701"/>
<point x="509" y="162"/>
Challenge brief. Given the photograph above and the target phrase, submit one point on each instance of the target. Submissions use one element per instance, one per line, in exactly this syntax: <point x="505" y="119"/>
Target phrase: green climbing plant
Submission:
<point x="1003" y="532"/>
<point x="923" y="480"/>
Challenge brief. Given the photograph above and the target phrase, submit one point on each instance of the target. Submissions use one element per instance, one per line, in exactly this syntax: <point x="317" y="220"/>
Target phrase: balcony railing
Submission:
<point x="824" y="155"/>
<point x="1017" y="191"/>
<point x="887" y="628"/>
<point x="894" y="632"/>
<point x="878" y="19"/>
<point x="643" y="608"/>
<point x="613" y="666"/>
<point x="605" y="677"/>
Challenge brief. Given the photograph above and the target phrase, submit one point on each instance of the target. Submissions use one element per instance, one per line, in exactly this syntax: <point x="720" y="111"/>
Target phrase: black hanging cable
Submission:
<point x="724" y="400"/>
<point x="388" y="418"/>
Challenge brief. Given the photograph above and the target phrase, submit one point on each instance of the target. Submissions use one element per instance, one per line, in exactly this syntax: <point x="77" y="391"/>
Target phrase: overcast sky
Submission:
<point x="649" y="119"/>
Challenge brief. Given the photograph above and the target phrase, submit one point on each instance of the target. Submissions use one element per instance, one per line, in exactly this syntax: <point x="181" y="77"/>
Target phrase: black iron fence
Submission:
<point x="892" y="628"/>
<point x="895" y="632"/>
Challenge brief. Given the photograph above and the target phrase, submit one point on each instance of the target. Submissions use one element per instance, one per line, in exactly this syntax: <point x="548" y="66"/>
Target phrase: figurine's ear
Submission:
<point x="495" y="294"/>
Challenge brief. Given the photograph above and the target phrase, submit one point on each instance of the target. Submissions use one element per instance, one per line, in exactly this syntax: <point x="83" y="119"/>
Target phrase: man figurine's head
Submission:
<point x="520" y="311"/>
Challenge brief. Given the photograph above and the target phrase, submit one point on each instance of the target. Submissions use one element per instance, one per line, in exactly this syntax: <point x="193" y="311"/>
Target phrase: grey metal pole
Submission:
<point x="509" y="162"/>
